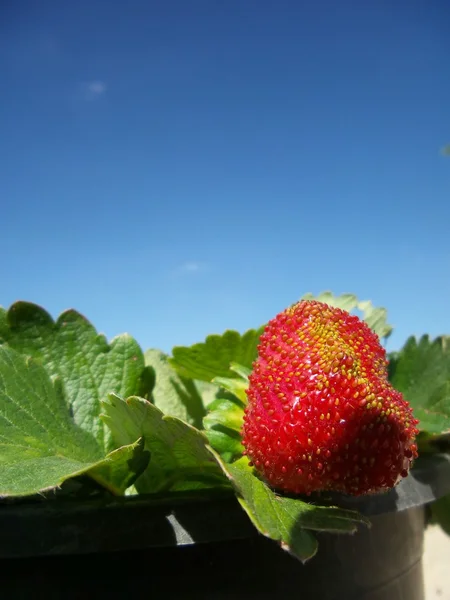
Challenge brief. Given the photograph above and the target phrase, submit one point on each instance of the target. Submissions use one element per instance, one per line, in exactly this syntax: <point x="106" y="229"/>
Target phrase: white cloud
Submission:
<point x="191" y="267"/>
<point x="95" y="89"/>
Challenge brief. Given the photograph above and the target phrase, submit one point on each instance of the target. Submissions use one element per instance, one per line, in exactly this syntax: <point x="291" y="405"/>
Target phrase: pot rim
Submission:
<point x="65" y="526"/>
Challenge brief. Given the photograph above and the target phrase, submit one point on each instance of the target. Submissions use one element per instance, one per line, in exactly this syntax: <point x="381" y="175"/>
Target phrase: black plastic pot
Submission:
<point x="210" y="550"/>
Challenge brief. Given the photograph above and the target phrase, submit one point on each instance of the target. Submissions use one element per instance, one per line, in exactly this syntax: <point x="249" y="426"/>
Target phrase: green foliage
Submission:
<point x="213" y="357"/>
<point x="421" y="371"/>
<point x="174" y="394"/>
<point x="73" y="351"/>
<point x="376" y="318"/>
<point x="179" y="459"/>
<point x="222" y="426"/>
<point x="40" y="445"/>
<point x="286" y="520"/>
<point x="236" y="387"/>
<point x="62" y="415"/>
<point x="225" y="417"/>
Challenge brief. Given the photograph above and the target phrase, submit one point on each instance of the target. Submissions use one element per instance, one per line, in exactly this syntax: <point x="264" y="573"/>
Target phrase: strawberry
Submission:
<point x="321" y="413"/>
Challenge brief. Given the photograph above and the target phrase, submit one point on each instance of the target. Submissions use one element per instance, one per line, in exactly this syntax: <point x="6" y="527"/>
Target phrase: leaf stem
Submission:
<point x="105" y="483"/>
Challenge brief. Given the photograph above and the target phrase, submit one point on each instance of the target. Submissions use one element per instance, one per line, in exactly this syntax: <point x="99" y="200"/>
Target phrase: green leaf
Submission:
<point x="224" y="421"/>
<point x="440" y="513"/>
<point x="208" y="391"/>
<point x="225" y="412"/>
<point x="213" y="357"/>
<point x="430" y="443"/>
<point x="179" y="459"/>
<point x="231" y="355"/>
<point x="175" y="395"/>
<point x="243" y="372"/>
<point x="237" y="387"/>
<point x="432" y="420"/>
<point x="225" y="417"/>
<point x="376" y="318"/>
<point x="71" y="349"/>
<point x="421" y="371"/>
<point x="121" y="467"/>
<point x="346" y="302"/>
<point x="40" y="445"/>
<point x="3" y="321"/>
<point x="286" y="520"/>
<point x="225" y="441"/>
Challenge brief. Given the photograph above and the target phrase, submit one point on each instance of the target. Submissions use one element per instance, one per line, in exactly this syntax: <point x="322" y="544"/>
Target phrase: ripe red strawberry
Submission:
<point x="321" y="413"/>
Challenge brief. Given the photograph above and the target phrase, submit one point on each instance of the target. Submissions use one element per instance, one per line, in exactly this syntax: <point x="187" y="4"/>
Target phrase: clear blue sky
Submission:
<point x="177" y="168"/>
